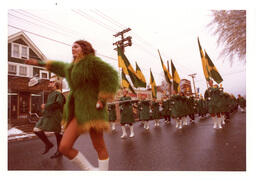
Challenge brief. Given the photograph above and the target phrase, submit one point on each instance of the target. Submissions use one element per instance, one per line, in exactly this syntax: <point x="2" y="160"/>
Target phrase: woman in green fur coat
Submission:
<point x="92" y="83"/>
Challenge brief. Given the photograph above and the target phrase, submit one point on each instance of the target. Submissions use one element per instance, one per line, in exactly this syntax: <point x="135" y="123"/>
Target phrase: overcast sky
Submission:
<point x="173" y="31"/>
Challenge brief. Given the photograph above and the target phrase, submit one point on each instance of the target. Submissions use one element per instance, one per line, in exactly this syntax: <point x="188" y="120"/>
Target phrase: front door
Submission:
<point x="23" y="105"/>
<point x="12" y="106"/>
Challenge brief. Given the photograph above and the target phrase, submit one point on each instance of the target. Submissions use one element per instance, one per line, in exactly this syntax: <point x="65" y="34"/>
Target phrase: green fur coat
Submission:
<point x="89" y="80"/>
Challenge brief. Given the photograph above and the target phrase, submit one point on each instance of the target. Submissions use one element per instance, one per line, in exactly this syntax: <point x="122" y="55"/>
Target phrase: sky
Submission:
<point x="173" y="31"/>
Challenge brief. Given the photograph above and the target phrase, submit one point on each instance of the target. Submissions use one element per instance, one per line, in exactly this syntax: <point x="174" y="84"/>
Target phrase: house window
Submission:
<point x="20" y="51"/>
<point x="12" y="69"/>
<point x="24" y="52"/>
<point x="16" y="50"/>
<point x="23" y="70"/>
<point x="44" y="74"/>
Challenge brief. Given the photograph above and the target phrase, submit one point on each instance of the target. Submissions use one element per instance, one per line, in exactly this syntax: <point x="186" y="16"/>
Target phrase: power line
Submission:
<point x="44" y="21"/>
<point x="36" y="24"/>
<point x="57" y="41"/>
<point x="94" y="20"/>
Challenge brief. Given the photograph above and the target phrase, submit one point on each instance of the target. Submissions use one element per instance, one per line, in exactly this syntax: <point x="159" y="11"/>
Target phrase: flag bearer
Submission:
<point x="213" y="97"/>
<point x="143" y="107"/>
<point x="241" y="102"/>
<point x="112" y="115"/>
<point x="155" y="111"/>
<point x="126" y="110"/>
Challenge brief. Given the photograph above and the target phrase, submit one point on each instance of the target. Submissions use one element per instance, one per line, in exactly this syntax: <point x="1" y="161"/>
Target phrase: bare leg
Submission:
<point x="69" y="137"/>
<point x="99" y="144"/>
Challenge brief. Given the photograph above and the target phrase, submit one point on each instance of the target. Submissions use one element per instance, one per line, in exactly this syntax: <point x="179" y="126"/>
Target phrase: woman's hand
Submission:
<point x="99" y="104"/>
<point x="31" y="62"/>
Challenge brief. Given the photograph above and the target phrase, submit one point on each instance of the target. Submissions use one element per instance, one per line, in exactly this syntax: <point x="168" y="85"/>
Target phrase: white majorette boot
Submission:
<point x="147" y="125"/>
<point x="187" y="120"/>
<point x="177" y="122"/>
<point x="131" y="131"/>
<point x="223" y="119"/>
<point x="124" y="132"/>
<point x="82" y="162"/>
<point x="113" y="126"/>
<point x="157" y="122"/>
<point x="219" y="122"/>
<point x="180" y="123"/>
<point x="103" y="164"/>
<point x="214" y="122"/>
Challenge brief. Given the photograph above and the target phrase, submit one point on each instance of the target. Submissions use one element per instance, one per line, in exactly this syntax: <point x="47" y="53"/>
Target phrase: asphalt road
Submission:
<point x="197" y="147"/>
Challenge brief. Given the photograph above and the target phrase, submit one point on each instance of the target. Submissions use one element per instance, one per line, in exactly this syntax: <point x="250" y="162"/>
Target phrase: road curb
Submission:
<point x="24" y="137"/>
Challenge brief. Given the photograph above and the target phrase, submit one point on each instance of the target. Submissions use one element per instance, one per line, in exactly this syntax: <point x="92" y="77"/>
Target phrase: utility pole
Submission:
<point x="121" y="42"/>
<point x="193" y="76"/>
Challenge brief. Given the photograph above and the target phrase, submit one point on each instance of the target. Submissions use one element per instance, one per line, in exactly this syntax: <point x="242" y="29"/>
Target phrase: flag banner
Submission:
<point x="153" y="85"/>
<point x="125" y="83"/>
<point x="176" y="78"/>
<point x="167" y="75"/>
<point x="204" y="63"/>
<point x="140" y="75"/>
<point x="212" y="70"/>
<point x="124" y="63"/>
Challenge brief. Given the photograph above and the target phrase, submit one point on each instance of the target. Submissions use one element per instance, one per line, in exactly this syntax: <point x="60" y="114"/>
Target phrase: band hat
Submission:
<point x="55" y="78"/>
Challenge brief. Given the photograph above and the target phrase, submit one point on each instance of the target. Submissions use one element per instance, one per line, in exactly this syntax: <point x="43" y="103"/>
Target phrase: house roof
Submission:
<point x="24" y="37"/>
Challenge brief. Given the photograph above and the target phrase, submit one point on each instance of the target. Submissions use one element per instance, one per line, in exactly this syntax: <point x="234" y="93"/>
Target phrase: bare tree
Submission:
<point x="230" y="27"/>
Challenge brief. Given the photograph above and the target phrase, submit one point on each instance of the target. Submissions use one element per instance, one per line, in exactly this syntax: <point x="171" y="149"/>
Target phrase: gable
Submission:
<point x="23" y="39"/>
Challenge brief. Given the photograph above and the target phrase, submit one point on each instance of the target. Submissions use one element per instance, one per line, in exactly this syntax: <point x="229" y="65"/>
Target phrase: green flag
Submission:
<point x="125" y="82"/>
<point x="121" y="60"/>
<point x="153" y="85"/>
<point x="142" y="82"/>
<point x="124" y="63"/>
<point x="176" y="78"/>
<point x="213" y="72"/>
<point x="167" y="75"/>
<point x="204" y="63"/>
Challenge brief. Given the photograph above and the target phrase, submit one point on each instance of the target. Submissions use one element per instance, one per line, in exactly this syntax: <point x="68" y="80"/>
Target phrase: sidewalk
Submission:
<point x="15" y="134"/>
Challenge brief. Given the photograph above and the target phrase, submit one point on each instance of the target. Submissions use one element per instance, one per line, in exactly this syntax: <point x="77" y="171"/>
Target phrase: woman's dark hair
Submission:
<point x="86" y="47"/>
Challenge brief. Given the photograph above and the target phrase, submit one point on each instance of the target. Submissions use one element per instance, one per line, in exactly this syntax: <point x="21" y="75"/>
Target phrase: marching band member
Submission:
<point x="126" y="110"/>
<point x="143" y="107"/>
<point x="241" y="102"/>
<point x="155" y="111"/>
<point x="213" y="97"/>
<point x="112" y="115"/>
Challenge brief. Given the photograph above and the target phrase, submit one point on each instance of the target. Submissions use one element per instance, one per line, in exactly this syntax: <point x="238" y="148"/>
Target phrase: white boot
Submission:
<point x="219" y="123"/>
<point x="113" y="126"/>
<point x="103" y="164"/>
<point x="187" y="120"/>
<point x="147" y="125"/>
<point x="157" y="122"/>
<point x="183" y="120"/>
<point x="124" y="132"/>
<point x="223" y="119"/>
<point x="131" y="131"/>
<point x="180" y="124"/>
<point x="177" y="122"/>
<point x="82" y="162"/>
<point x="214" y="122"/>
